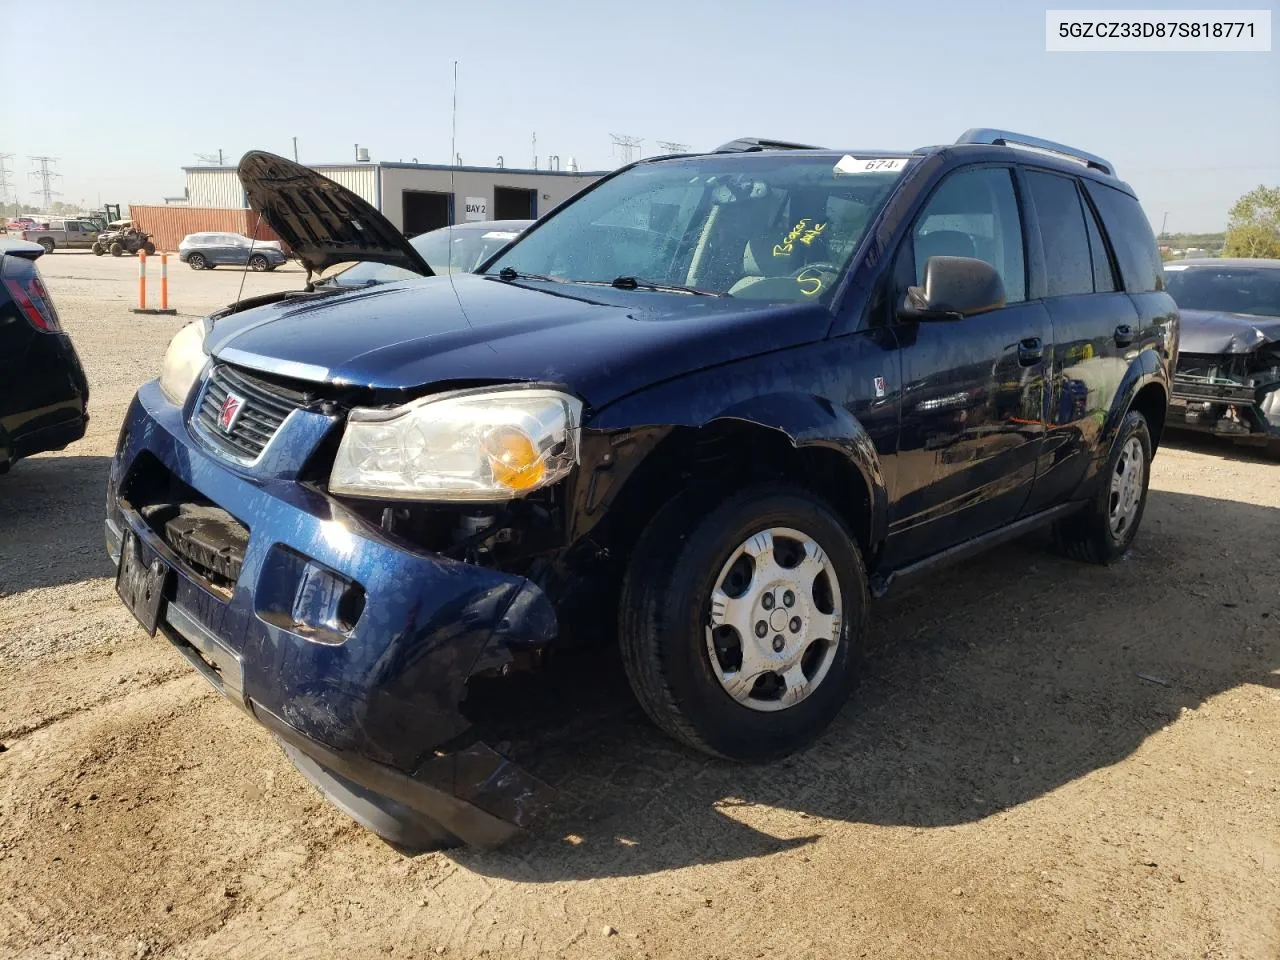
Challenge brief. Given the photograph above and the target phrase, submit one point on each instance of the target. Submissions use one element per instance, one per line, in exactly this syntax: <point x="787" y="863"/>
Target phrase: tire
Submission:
<point x="1104" y="530"/>
<point x="258" y="263"/>
<point x="680" y="666"/>
<point x="47" y="243"/>
<point x="97" y="249"/>
<point x="149" y="247"/>
<point x="1273" y="449"/>
<point x="116" y="250"/>
<point x="197" y="261"/>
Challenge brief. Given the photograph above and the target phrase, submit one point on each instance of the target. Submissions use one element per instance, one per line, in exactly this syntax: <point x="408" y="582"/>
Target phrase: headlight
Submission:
<point x="487" y="445"/>
<point x="183" y="361"/>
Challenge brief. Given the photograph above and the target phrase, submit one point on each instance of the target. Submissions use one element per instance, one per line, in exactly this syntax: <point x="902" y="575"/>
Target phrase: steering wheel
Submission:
<point x="812" y="285"/>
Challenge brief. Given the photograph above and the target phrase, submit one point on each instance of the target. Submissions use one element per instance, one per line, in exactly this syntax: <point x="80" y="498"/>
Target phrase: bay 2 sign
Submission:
<point x="477" y="208"/>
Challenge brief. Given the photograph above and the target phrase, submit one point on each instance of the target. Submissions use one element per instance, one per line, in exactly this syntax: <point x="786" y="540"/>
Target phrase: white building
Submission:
<point x="418" y="197"/>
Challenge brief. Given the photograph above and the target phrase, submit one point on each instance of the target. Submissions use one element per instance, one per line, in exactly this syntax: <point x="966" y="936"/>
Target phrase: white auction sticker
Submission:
<point x="849" y="165"/>
<point x="1157" y="31"/>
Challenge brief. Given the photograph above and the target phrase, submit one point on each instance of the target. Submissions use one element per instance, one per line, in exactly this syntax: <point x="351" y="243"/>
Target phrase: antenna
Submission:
<point x="626" y="146"/>
<point x="46" y="178"/>
<point x="209" y="159"/>
<point x="535" y="150"/>
<point x="5" y="184"/>
<point x="669" y="147"/>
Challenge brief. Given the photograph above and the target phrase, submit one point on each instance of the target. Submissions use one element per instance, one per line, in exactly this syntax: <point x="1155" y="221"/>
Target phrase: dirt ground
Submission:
<point x="1044" y="759"/>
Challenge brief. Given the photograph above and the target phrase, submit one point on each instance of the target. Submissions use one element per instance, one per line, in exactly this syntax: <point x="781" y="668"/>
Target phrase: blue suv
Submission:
<point x="709" y="407"/>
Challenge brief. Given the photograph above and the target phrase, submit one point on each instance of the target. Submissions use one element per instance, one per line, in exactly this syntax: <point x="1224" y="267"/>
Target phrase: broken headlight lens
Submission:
<point x="484" y="445"/>
<point x="183" y="361"/>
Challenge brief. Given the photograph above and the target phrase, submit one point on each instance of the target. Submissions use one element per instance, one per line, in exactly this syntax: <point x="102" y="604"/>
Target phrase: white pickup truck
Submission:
<point x="60" y="234"/>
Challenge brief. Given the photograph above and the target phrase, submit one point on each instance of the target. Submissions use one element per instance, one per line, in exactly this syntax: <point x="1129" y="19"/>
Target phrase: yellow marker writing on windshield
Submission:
<point x="800" y="233"/>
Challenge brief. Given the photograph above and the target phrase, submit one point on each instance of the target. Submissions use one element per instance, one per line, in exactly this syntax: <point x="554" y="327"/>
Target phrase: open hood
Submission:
<point x="323" y="222"/>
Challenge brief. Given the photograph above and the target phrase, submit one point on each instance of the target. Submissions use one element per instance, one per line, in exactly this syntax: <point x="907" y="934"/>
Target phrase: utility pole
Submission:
<point x="5" y="184"/>
<point x="625" y="146"/>
<point x="535" y="150"/>
<point x="46" y="177"/>
<point x="1164" y="223"/>
<point x="453" y="123"/>
<point x="295" y="149"/>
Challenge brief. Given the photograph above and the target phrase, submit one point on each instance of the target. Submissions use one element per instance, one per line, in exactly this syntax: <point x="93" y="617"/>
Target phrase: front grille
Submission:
<point x="264" y="408"/>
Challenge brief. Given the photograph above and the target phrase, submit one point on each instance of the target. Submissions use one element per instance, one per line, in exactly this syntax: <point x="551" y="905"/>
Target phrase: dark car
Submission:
<point x="709" y="406"/>
<point x="461" y="247"/>
<point x="204" y="251"/>
<point x="1228" y="377"/>
<point x="44" y="396"/>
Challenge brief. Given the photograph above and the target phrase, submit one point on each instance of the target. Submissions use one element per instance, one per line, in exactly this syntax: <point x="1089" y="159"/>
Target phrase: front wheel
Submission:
<point x="1104" y="530"/>
<point x="739" y="625"/>
<point x="97" y="249"/>
<point x="116" y="250"/>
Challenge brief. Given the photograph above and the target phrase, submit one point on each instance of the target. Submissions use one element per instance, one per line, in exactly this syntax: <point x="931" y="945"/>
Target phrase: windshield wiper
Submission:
<point x="511" y="273"/>
<point x="634" y="283"/>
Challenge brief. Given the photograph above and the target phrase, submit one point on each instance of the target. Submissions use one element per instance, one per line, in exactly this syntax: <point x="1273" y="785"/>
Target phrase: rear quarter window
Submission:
<point x="1131" y="238"/>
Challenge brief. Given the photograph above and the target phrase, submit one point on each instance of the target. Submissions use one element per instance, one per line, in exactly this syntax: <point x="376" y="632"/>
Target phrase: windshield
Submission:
<point x="759" y="226"/>
<point x="446" y="250"/>
<point x="1251" y="290"/>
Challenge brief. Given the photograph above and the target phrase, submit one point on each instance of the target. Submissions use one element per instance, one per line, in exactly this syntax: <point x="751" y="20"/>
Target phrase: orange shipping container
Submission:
<point x="169" y="224"/>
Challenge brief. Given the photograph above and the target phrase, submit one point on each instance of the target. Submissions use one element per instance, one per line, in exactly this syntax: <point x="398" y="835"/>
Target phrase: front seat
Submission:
<point x="941" y="243"/>
<point x="759" y="265"/>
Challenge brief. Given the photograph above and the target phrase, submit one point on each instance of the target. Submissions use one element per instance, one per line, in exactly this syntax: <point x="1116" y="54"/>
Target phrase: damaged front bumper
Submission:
<point x="1226" y="408"/>
<point x="352" y="648"/>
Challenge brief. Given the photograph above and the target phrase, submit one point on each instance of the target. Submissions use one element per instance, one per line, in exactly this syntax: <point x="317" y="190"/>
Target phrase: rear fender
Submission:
<point x="1146" y="368"/>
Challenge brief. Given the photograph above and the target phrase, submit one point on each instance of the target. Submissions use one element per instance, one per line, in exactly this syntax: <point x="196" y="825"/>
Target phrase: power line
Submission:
<point x="210" y="160"/>
<point x="46" y="177"/>
<point x="626" y="147"/>
<point x="672" y="147"/>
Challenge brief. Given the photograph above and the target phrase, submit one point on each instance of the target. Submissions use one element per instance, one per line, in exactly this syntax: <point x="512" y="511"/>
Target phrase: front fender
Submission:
<point x="787" y="393"/>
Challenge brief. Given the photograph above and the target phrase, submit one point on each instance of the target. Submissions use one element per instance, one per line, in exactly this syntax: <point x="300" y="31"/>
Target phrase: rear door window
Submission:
<point x="1131" y="238"/>
<point x="1068" y="263"/>
<point x="975" y="214"/>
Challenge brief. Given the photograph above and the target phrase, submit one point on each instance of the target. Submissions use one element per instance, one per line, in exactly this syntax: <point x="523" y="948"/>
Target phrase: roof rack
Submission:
<point x="1009" y="138"/>
<point x="752" y="144"/>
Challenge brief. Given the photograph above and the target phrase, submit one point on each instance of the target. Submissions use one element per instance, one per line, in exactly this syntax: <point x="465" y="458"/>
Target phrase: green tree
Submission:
<point x="1253" y="224"/>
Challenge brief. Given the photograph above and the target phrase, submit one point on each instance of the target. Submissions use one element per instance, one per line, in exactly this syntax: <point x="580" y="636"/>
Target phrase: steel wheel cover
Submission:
<point x="774" y="620"/>
<point x="1126" y="488"/>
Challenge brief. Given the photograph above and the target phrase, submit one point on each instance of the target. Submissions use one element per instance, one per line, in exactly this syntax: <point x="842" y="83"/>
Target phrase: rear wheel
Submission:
<point x="149" y="247"/>
<point x="738" y="625"/>
<point x="1103" y="531"/>
<point x="258" y="263"/>
<point x="47" y="243"/>
<point x="197" y="261"/>
<point x="1273" y="449"/>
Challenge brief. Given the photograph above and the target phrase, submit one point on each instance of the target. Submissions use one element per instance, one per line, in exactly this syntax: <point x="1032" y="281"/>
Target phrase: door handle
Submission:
<point x="1030" y="351"/>
<point x="1124" y="335"/>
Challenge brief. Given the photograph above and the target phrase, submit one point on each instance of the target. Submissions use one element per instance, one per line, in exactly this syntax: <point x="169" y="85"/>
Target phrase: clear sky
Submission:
<point x="1191" y="132"/>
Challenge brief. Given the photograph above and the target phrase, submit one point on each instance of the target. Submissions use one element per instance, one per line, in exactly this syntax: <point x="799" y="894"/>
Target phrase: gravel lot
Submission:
<point x="1044" y="759"/>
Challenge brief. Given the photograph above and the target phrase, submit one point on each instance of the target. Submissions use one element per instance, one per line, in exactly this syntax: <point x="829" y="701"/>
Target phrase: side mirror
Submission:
<point x="954" y="288"/>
